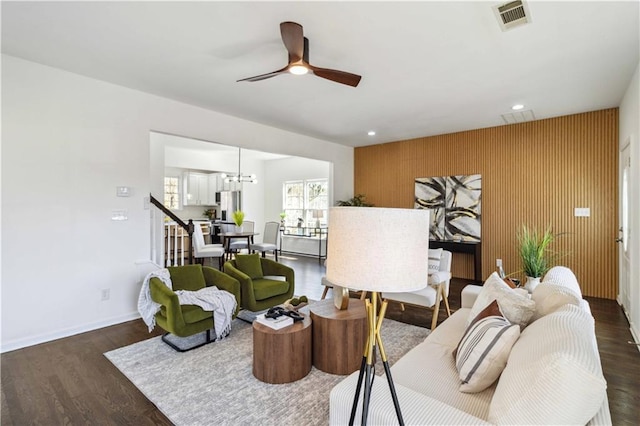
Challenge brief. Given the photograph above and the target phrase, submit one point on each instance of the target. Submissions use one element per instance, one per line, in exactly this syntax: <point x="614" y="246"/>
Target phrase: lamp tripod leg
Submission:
<point x="363" y="364"/>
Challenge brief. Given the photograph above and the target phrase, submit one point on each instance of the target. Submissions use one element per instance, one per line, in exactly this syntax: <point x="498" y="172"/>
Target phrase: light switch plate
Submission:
<point x="123" y="191"/>
<point x="119" y="215"/>
<point x="582" y="212"/>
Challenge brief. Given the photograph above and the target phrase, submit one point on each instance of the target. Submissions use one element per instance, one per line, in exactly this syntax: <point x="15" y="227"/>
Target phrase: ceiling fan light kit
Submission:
<point x="298" y="47"/>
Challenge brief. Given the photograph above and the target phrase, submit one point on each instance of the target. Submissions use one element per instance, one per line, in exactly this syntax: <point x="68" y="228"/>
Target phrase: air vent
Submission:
<point x="512" y="14"/>
<point x="518" y="117"/>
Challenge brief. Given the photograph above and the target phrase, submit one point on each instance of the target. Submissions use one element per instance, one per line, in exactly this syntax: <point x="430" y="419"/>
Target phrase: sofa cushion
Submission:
<point x="188" y="277"/>
<point x="417" y="408"/>
<point x="515" y="307"/>
<point x="484" y="349"/>
<point x="565" y="277"/>
<point x="430" y="370"/>
<point x="264" y="288"/>
<point x="550" y="296"/>
<point x="553" y="375"/>
<point x="250" y="264"/>
<point x="434" y="260"/>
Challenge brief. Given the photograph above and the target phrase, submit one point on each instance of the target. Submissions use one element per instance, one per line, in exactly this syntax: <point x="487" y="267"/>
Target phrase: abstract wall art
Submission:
<point x="454" y="202"/>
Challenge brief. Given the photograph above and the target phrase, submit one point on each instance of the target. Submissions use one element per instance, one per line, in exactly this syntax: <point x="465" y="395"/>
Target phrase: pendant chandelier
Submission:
<point x="240" y="177"/>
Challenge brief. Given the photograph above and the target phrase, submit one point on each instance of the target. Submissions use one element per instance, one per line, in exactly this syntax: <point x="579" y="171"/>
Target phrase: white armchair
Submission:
<point x="436" y="290"/>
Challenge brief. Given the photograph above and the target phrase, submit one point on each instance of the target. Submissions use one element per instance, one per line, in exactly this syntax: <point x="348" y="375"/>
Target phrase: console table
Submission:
<point x="306" y="234"/>
<point x="471" y="247"/>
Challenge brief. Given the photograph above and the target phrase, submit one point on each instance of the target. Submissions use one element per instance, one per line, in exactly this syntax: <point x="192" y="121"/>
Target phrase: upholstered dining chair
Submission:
<point x="436" y="290"/>
<point x="236" y="246"/>
<point x="202" y="250"/>
<point x="269" y="239"/>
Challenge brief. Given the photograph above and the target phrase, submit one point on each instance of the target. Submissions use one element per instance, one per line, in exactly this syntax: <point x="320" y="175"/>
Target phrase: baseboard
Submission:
<point x="60" y="334"/>
<point x="636" y="335"/>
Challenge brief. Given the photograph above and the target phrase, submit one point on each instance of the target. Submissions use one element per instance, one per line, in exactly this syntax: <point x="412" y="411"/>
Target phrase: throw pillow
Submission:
<point x="250" y="265"/>
<point x="492" y="310"/>
<point x="515" y="307"/>
<point x="483" y="352"/>
<point x="434" y="260"/>
<point x="549" y="297"/>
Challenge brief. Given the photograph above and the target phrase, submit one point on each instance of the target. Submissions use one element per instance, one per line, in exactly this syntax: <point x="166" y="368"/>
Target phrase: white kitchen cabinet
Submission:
<point x="196" y="191"/>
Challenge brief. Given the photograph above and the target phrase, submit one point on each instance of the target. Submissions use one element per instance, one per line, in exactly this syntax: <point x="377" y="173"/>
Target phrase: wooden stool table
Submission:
<point x="282" y="356"/>
<point x="338" y="336"/>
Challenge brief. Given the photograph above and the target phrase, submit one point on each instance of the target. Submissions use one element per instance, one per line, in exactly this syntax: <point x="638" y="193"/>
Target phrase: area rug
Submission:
<point x="214" y="384"/>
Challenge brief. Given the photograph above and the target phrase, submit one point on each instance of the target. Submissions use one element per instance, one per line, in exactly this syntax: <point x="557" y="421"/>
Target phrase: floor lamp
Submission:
<point x="377" y="249"/>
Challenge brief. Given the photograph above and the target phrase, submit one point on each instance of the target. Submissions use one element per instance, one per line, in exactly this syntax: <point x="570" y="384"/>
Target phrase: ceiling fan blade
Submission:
<point x="337" y="76"/>
<point x="265" y="76"/>
<point x="293" y="40"/>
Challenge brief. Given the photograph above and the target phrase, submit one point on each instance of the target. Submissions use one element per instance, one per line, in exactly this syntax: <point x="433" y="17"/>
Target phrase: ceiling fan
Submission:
<point x="298" y="47"/>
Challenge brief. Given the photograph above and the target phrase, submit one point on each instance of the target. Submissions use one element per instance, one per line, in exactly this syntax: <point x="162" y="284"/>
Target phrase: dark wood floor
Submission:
<point x="69" y="381"/>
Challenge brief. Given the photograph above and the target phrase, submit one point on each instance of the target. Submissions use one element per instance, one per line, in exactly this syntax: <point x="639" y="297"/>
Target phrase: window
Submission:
<point x="305" y="201"/>
<point x="172" y="192"/>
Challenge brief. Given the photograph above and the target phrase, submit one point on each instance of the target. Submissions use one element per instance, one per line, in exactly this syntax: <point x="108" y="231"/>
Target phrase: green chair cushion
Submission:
<point x="188" y="277"/>
<point x="266" y="288"/>
<point x="250" y="264"/>
<point x="191" y="313"/>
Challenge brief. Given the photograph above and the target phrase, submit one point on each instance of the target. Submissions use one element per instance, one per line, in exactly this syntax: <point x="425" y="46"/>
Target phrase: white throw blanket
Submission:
<point x="146" y="305"/>
<point x="221" y="302"/>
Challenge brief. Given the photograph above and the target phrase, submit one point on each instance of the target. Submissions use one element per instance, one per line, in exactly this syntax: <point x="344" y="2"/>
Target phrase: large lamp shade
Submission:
<point x="378" y="249"/>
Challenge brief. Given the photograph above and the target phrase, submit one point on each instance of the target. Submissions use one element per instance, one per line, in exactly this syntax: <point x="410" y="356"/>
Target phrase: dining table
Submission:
<point x="229" y="236"/>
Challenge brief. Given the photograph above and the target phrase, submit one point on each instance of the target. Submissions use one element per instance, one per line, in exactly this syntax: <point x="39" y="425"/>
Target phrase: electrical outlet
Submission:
<point x="498" y="263"/>
<point x="105" y="294"/>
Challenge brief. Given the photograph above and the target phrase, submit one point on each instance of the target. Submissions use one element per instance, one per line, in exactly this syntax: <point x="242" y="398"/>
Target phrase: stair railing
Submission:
<point x="173" y="237"/>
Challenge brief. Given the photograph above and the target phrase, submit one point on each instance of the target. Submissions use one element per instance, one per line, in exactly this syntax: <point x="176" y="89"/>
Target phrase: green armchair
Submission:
<point x="187" y="320"/>
<point x="258" y="290"/>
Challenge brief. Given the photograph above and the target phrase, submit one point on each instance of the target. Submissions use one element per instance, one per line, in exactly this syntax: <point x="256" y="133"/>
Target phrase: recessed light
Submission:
<point x="517" y="107"/>
<point x="371" y="133"/>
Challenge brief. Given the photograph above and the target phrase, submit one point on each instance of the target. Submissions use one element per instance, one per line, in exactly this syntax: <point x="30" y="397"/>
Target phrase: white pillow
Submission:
<point x="553" y="376"/>
<point x="483" y="352"/>
<point x="549" y="297"/>
<point x="515" y="307"/>
<point x="434" y="260"/>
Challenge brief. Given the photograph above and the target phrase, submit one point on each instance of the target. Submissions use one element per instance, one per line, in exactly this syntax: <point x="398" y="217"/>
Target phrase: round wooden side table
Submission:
<point x="282" y="356"/>
<point x="338" y="336"/>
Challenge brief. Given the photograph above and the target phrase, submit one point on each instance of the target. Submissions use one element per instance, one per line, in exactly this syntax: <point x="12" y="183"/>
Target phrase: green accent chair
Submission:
<point x="258" y="290"/>
<point x="187" y="320"/>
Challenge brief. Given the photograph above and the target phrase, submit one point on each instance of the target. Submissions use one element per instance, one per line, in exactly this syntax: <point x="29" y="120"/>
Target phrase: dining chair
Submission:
<point x="202" y="250"/>
<point x="236" y="246"/>
<point x="437" y="288"/>
<point x="269" y="239"/>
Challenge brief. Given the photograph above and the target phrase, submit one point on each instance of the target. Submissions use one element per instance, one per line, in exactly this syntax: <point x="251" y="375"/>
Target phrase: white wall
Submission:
<point x="68" y="141"/>
<point x="630" y="130"/>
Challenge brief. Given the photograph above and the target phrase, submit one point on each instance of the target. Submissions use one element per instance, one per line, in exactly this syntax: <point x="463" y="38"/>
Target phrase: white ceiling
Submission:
<point x="428" y="67"/>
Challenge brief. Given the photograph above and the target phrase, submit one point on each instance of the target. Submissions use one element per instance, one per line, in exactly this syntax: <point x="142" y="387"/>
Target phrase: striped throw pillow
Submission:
<point x="483" y="352"/>
<point x="434" y="260"/>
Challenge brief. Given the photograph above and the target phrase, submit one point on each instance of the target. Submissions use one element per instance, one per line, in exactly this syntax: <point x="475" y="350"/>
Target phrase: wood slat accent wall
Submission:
<point x="533" y="173"/>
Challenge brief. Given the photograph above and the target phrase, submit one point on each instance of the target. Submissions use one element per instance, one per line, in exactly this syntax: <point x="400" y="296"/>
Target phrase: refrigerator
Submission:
<point x="229" y="202"/>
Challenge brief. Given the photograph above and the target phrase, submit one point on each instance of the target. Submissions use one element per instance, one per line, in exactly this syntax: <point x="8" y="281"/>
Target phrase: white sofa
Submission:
<point x="553" y="373"/>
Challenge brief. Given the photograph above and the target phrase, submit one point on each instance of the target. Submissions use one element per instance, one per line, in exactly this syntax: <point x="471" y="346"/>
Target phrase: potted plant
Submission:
<point x="282" y="216"/>
<point x="210" y="213"/>
<point x="238" y="219"/>
<point x="535" y="254"/>
<point x="357" y="201"/>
